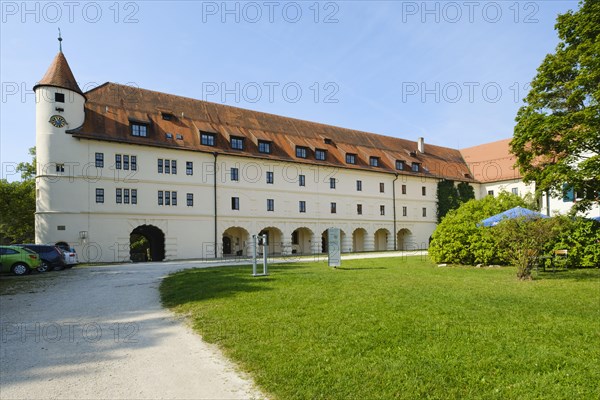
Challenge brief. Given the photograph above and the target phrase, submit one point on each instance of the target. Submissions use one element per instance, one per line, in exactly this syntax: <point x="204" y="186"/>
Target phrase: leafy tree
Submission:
<point x="26" y="169"/>
<point x="17" y="205"/>
<point x="17" y="208"/>
<point x="450" y="197"/>
<point x="524" y="240"/>
<point x="557" y="135"/>
<point x="458" y="239"/>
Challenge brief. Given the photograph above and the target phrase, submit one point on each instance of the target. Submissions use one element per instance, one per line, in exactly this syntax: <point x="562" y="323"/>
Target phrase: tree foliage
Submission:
<point x="524" y="240"/>
<point x="17" y="208"/>
<point x="17" y="205"/>
<point x="458" y="239"/>
<point x="557" y="135"/>
<point x="450" y="197"/>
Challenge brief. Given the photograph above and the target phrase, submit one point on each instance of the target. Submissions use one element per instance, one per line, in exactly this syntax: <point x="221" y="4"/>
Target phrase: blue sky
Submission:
<point x="452" y="72"/>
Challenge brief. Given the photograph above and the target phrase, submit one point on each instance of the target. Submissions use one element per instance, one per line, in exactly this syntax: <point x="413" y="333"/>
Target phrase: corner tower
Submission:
<point x="59" y="108"/>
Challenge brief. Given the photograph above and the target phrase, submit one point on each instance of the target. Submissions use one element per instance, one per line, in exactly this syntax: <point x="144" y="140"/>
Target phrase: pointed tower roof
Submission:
<point x="60" y="75"/>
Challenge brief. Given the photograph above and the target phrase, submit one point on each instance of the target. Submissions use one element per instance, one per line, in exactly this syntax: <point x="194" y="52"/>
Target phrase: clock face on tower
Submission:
<point x="58" y="121"/>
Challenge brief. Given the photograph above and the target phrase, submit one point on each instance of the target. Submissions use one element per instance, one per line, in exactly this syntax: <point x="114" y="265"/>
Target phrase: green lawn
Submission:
<point x="400" y="328"/>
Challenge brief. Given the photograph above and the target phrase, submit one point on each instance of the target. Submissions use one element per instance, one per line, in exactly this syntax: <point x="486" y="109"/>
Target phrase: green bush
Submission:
<point x="458" y="239"/>
<point x="581" y="237"/>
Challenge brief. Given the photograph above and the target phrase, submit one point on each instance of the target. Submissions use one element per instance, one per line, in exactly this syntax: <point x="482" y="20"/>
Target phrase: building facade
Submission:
<point x="196" y="180"/>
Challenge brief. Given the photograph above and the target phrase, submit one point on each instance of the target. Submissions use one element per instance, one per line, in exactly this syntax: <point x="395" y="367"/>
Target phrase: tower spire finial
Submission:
<point x="59" y="41"/>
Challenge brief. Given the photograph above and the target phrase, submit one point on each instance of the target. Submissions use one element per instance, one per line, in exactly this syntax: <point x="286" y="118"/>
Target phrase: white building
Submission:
<point x="197" y="179"/>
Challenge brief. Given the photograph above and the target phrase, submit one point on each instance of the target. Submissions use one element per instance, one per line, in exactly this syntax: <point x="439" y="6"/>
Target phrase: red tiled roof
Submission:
<point x="60" y="75"/>
<point x="491" y="162"/>
<point x="110" y="107"/>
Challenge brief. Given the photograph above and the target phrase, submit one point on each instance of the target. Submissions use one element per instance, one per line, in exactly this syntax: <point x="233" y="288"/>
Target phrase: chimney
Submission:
<point x="421" y="145"/>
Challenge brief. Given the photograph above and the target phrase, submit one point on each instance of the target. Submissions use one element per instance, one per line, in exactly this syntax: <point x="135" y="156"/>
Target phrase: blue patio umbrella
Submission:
<point x="516" y="212"/>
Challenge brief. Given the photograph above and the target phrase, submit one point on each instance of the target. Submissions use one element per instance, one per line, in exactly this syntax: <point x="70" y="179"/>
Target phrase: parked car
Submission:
<point x="18" y="260"/>
<point x="52" y="257"/>
<point x="69" y="254"/>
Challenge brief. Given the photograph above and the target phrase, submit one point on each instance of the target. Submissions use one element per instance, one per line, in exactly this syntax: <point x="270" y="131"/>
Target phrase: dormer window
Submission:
<point x="237" y="143"/>
<point x="167" y="116"/>
<point x="350" y="158"/>
<point x="328" y="141"/>
<point x="264" y="146"/>
<point x="59" y="97"/>
<point x="320" y="154"/>
<point x="179" y="136"/>
<point x="374" y="161"/>
<point x="416" y="167"/>
<point x="169" y="135"/>
<point x="139" y="129"/>
<point x="207" y="139"/>
<point x="400" y="165"/>
<point x="301" y="152"/>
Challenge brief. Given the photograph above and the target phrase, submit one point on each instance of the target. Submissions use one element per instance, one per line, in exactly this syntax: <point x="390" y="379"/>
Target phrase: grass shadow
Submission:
<point x="579" y="274"/>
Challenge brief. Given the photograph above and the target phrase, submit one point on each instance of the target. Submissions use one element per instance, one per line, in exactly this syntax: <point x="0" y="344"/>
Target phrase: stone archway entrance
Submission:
<point x="146" y="243"/>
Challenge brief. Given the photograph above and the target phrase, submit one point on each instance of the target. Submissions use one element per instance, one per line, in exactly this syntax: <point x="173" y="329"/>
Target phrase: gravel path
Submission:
<point x="100" y="332"/>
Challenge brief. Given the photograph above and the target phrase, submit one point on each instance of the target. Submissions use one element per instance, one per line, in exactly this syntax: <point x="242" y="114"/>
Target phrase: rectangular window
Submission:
<point x="59" y="97"/>
<point x="350" y="158"/>
<point x="126" y="196"/>
<point x="118" y="161"/>
<point x="237" y="143"/>
<point x="404" y="211"/>
<point x="126" y="162"/>
<point x="134" y="163"/>
<point x="399" y="165"/>
<point x="416" y="167"/>
<point x="160" y="197"/>
<point x="333" y="208"/>
<point x="99" y="195"/>
<point x="515" y="191"/>
<point x="133" y="196"/>
<point x="374" y="161"/>
<point x="167" y="166"/>
<point x="207" y="139"/>
<point x="301" y="180"/>
<point x="301" y="152"/>
<point x="174" y="167"/>
<point x="160" y="166"/>
<point x="359" y="209"/>
<point x="270" y="205"/>
<point x="320" y="154"/>
<point x="138" y="129"/>
<point x="381" y="187"/>
<point x="424" y="190"/>
<point x="332" y="183"/>
<point x="99" y="160"/>
<point x="403" y="189"/>
<point x="264" y="146"/>
<point x="173" y="198"/>
<point x="302" y="206"/>
<point x="60" y="167"/>
<point x="270" y="177"/>
<point x="179" y="136"/>
<point x="235" y="174"/>
<point x="382" y="210"/>
<point x="424" y="211"/>
<point x="235" y="203"/>
<point x="189" y="168"/>
<point x="359" y="186"/>
<point x="490" y="192"/>
<point x="190" y="199"/>
<point x="167" y="198"/>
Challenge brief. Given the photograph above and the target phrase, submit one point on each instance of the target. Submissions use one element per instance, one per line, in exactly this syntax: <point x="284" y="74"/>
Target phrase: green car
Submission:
<point x="18" y="260"/>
